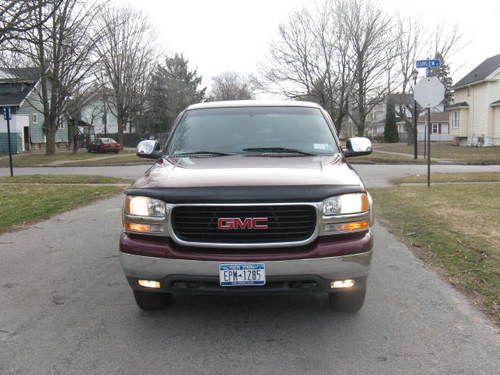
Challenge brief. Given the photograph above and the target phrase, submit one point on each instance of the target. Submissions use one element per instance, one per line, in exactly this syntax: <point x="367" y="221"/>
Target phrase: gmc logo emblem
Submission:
<point x="231" y="223"/>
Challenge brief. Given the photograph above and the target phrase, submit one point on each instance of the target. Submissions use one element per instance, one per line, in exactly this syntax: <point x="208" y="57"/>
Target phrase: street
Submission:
<point x="67" y="309"/>
<point x="374" y="175"/>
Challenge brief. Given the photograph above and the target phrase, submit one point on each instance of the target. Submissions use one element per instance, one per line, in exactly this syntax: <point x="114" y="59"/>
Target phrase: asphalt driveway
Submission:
<point x="67" y="309"/>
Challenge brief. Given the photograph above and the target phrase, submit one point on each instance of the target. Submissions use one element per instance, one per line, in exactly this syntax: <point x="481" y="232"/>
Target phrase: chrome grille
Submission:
<point x="286" y="223"/>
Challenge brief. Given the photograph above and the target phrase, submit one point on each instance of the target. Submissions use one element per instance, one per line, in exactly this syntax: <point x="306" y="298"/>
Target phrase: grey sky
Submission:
<point x="219" y="35"/>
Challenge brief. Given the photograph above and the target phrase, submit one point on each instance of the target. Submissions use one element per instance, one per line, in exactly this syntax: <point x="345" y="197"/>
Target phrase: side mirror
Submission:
<point x="149" y="149"/>
<point x="358" y="146"/>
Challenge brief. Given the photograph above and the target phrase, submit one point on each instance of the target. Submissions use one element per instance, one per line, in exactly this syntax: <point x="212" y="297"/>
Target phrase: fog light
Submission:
<point x="337" y="284"/>
<point x="149" y="283"/>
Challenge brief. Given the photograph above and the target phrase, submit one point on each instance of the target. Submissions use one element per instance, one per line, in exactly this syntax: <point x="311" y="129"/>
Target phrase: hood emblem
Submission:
<point x="248" y="223"/>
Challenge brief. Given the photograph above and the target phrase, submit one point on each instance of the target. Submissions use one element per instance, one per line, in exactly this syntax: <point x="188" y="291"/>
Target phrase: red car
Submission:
<point x="104" y="145"/>
<point x="249" y="197"/>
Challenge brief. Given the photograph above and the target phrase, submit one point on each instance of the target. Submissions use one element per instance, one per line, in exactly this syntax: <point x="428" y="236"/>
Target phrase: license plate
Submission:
<point x="242" y="274"/>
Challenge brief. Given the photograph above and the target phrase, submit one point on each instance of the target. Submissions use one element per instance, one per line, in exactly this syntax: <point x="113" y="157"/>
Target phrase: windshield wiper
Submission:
<point x="210" y="153"/>
<point x="284" y="150"/>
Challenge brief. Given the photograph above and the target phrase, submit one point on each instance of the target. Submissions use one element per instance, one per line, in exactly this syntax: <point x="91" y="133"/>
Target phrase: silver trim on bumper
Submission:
<point x="151" y="268"/>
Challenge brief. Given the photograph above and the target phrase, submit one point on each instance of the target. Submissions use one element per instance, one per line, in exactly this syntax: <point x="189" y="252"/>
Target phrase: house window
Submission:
<point x="34" y="118"/>
<point x="60" y="124"/>
<point x="455" y="120"/>
<point x="434" y="128"/>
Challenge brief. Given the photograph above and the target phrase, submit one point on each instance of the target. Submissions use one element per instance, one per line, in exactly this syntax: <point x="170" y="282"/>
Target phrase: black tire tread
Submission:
<point x="350" y="301"/>
<point x="150" y="301"/>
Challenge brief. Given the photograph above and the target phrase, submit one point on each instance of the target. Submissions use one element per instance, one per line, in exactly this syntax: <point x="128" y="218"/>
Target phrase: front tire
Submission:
<point x="348" y="301"/>
<point x="149" y="301"/>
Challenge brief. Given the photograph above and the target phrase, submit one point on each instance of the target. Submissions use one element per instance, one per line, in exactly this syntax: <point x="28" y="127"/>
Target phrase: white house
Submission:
<point x="18" y="91"/>
<point x="440" y="129"/>
<point x="475" y="114"/>
<point x="98" y="111"/>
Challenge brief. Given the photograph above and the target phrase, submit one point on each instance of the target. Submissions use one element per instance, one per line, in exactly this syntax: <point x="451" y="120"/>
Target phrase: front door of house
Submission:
<point x="26" y="137"/>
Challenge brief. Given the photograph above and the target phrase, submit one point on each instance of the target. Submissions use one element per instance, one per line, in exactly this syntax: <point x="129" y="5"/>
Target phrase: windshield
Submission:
<point x="298" y="130"/>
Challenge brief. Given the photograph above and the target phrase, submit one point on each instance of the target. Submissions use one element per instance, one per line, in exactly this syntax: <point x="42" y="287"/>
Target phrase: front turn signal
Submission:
<point x="353" y="226"/>
<point x="138" y="228"/>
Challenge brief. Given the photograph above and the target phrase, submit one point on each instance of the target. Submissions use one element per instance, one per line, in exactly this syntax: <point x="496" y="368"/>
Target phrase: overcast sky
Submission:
<point x="220" y="35"/>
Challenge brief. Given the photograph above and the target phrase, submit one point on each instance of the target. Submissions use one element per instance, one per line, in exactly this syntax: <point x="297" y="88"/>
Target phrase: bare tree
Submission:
<point x="413" y="44"/>
<point x="445" y="43"/>
<point x="409" y="46"/>
<point x="18" y="17"/>
<point x="310" y="60"/>
<point x="292" y="58"/>
<point x="332" y="37"/>
<point x="371" y="50"/>
<point x="126" y="59"/>
<point x="339" y="56"/>
<point x="82" y="95"/>
<point x="62" y="48"/>
<point x="231" y="86"/>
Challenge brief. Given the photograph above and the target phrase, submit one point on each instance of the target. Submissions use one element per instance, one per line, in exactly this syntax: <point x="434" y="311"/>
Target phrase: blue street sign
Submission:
<point x="7" y="114"/>
<point x="421" y="63"/>
<point x="429" y="63"/>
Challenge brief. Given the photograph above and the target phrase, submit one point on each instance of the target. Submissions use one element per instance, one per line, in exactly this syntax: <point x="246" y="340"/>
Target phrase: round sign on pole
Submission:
<point x="429" y="92"/>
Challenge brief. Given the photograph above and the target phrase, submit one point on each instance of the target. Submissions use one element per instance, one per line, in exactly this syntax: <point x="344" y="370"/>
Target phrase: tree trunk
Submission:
<point x="361" y="106"/>
<point x="74" y="135"/>
<point x="361" y="125"/>
<point x="339" y="119"/>
<point x="410" y="134"/>
<point x="121" y="126"/>
<point x="50" y="144"/>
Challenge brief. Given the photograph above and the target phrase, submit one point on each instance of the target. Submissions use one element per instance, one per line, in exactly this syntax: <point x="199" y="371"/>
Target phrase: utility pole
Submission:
<point x="425" y="141"/>
<point x="7" y="115"/>
<point x="105" y="111"/>
<point x="415" y="130"/>
<point x="429" y="129"/>
<point x="415" y="116"/>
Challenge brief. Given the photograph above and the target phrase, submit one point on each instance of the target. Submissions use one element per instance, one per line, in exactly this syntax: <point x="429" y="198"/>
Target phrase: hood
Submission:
<point x="249" y="171"/>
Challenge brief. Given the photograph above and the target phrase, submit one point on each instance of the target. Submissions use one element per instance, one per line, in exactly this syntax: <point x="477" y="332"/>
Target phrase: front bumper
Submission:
<point x="186" y="275"/>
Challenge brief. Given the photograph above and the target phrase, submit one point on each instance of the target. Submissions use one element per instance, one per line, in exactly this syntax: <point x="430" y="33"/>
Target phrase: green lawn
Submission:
<point x="447" y="151"/>
<point x="383" y="158"/>
<point x="452" y="177"/>
<point x="34" y="159"/>
<point x="67" y="158"/>
<point x="454" y="228"/>
<point x="63" y="179"/>
<point x="120" y="159"/>
<point x="23" y="202"/>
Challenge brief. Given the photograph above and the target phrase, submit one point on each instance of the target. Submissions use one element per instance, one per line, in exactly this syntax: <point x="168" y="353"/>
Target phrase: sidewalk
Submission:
<point x="411" y="156"/>
<point x="65" y="162"/>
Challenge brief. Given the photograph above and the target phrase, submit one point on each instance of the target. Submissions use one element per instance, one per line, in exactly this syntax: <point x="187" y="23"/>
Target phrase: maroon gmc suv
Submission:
<point x="249" y="197"/>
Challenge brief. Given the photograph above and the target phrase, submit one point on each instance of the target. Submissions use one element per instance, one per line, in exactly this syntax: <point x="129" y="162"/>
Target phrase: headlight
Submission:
<point x="144" y="206"/>
<point x="346" y="213"/>
<point x="346" y="204"/>
<point x="145" y="215"/>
